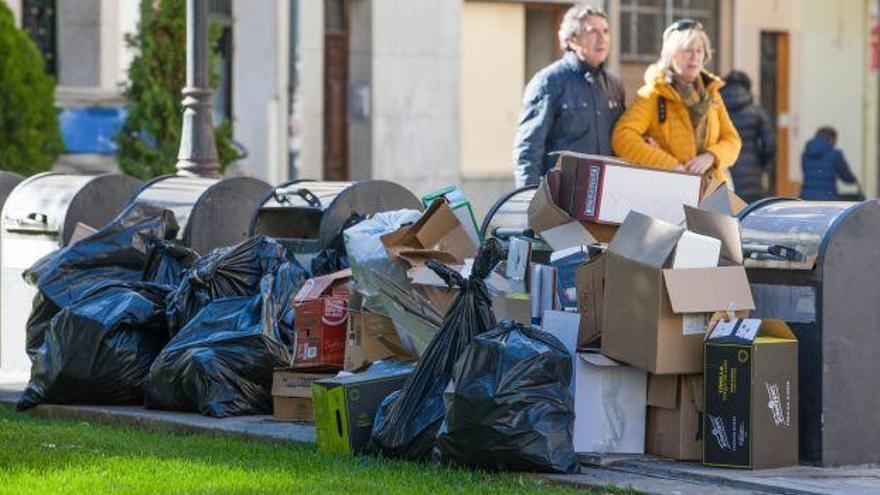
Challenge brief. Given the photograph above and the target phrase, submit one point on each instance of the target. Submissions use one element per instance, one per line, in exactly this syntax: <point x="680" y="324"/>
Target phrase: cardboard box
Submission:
<point x="321" y="321"/>
<point x="654" y="317"/>
<point x="544" y="212"/>
<point x="675" y="407"/>
<point x="567" y="262"/>
<point x="292" y="394"/>
<point x="610" y="406"/>
<point x="609" y="397"/>
<point x="371" y="337"/>
<point x="515" y="307"/>
<point x="438" y="234"/>
<point x="720" y="198"/>
<point x="460" y="205"/>
<point x="590" y="282"/>
<point x="604" y="190"/>
<point x="345" y="407"/>
<point x="751" y="418"/>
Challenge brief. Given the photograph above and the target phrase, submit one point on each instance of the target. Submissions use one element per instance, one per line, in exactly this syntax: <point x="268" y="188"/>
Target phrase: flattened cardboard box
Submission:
<point x="292" y="394"/>
<point x="438" y="234"/>
<point x="675" y="407"/>
<point x="604" y="190"/>
<point x="590" y="281"/>
<point x="751" y="416"/>
<point x="655" y="318"/>
<point x="345" y="407"/>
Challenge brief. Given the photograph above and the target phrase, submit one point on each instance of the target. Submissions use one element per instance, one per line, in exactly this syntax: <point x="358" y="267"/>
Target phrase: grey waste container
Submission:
<point x="40" y="216"/>
<point x="8" y="181"/>
<point x="211" y="212"/>
<point x="509" y="215"/>
<point x="306" y="216"/>
<point x="814" y="265"/>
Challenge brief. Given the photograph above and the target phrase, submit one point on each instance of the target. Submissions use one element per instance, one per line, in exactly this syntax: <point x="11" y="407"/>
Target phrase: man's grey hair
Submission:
<point x="573" y="22"/>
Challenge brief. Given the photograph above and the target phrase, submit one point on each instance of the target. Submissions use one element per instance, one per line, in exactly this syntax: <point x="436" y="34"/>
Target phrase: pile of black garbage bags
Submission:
<point x="128" y="317"/>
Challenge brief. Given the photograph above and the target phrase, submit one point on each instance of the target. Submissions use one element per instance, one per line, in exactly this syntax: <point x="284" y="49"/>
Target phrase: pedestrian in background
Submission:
<point x="822" y="165"/>
<point x="757" y="136"/>
<point x="572" y="104"/>
<point x="678" y="120"/>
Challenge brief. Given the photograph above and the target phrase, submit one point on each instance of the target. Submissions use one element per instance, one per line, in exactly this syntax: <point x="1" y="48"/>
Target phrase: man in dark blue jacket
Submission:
<point x="572" y="104"/>
<point x="823" y="164"/>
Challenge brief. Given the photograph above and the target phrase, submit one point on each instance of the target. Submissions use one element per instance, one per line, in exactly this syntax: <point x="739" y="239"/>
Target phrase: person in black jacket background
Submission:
<point x="758" y="138"/>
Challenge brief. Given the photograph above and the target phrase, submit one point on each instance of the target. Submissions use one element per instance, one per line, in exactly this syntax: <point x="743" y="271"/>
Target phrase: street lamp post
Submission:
<point x="198" y="150"/>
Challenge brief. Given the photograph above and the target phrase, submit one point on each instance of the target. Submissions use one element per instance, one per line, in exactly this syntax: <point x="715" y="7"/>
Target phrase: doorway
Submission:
<point x="336" y="47"/>
<point x="775" y="72"/>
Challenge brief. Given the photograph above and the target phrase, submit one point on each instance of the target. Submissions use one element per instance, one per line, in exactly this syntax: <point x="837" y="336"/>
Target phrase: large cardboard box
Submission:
<point x="751" y="416"/>
<point x="371" y="337"/>
<point x="604" y="190"/>
<point x="321" y="321"/>
<point x="345" y="407"/>
<point x="609" y="397"/>
<point x="675" y="407"/>
<point x="655" y="317"/>
<point x="292" y="394"/>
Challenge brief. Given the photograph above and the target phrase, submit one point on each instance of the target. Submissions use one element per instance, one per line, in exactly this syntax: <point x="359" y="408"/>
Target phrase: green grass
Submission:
<point x="50" y="456"/>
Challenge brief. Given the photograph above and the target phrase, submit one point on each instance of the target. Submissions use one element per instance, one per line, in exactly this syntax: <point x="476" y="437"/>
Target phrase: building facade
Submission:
<point x="427" y="93"/>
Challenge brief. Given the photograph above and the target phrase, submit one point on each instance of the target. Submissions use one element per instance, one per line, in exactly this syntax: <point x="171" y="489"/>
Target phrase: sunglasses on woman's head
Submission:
<point x="684" y="25"/>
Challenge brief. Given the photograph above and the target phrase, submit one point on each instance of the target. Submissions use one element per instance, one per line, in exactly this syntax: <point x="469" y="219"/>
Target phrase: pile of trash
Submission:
<point x="412" y="336"/>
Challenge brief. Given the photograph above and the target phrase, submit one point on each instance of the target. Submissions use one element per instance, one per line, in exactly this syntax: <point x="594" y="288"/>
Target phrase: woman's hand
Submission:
<point x="700" y="164"/>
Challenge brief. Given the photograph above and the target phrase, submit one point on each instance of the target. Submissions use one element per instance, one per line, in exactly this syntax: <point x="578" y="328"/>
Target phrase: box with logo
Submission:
<point x="321" y="321"/>
<point x="292" y="394"/>
<point x="345" y="407"/>
<point x="751" y="389"/>
<point x="655" y="312"/>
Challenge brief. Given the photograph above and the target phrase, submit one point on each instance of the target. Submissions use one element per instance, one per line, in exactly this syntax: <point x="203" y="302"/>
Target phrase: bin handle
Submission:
<point x="309" y="197"/>
<point x="305" y="194"/>
<point x="39" y="219"/>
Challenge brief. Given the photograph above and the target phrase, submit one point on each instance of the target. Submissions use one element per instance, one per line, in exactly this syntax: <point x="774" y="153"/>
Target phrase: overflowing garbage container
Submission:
<point x="309" y="216"/>
<point x="811" y="264"/>
<point x="40" y="215"/>
<point x="211" y="212"/>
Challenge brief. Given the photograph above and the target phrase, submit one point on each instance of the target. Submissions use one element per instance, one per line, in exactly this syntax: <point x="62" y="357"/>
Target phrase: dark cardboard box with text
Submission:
<point x="345" y="407"/>
<point x="751" y="408"/>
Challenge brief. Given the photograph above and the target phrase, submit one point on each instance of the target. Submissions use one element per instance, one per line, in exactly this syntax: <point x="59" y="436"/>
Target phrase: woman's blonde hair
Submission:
<point x="675" y="39"/>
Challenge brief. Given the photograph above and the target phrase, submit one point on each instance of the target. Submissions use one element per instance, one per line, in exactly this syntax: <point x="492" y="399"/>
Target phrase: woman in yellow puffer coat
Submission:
<point x="678" y="120"/>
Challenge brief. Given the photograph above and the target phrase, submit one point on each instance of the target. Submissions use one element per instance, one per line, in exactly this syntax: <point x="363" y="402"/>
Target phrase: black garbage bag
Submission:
<point x="167" y="262"/>
<point x="99" y="349"/>
<point x="220" y="364"/>
<point x="116" y="252"/>
<point x="510" y="404"/>
<point x="407" y="421"/>
<point x="233" y="271"/>
<point x="334" y="258"/>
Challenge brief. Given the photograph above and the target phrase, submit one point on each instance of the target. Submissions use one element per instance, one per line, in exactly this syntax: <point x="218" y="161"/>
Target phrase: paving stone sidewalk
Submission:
<point x="643" y="474"/>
